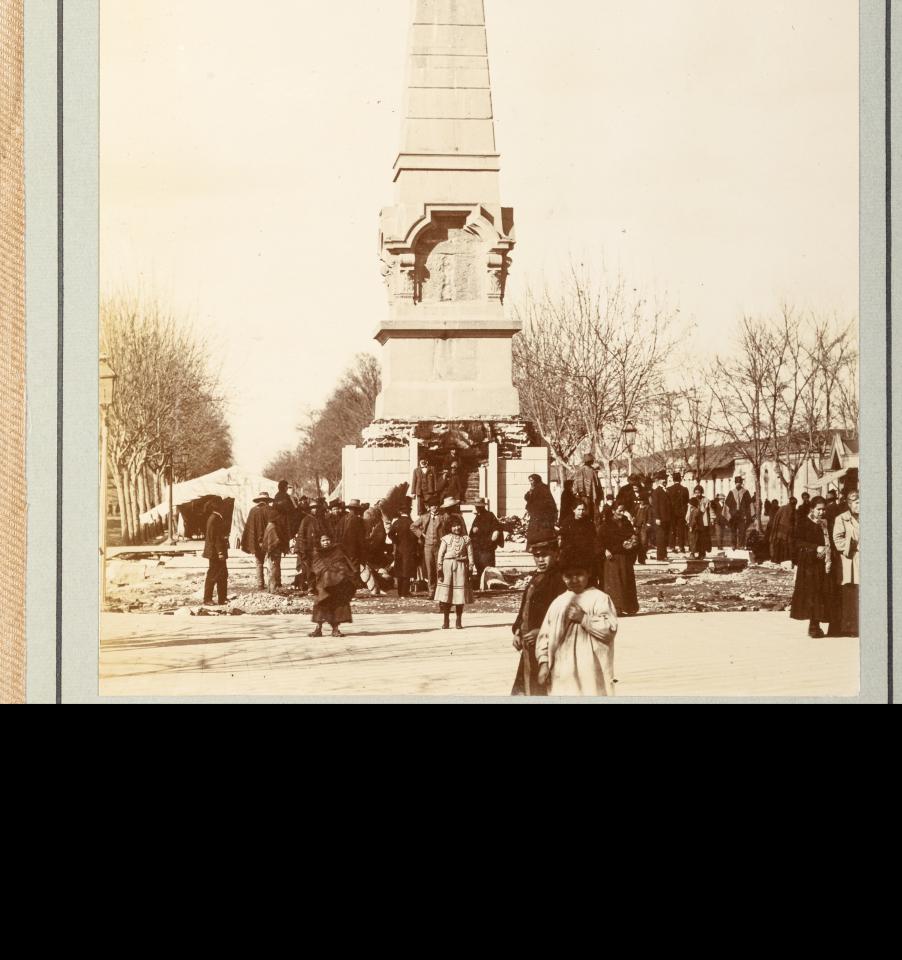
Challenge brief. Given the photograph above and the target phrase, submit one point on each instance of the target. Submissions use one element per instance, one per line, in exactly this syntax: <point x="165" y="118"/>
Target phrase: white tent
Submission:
<point x="231" y="484"/>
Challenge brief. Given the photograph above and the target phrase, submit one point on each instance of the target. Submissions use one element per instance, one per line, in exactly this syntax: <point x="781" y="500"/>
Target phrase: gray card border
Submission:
<point x="62" y="310"/>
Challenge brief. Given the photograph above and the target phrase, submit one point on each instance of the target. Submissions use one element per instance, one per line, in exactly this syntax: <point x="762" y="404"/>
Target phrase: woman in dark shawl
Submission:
<point x="781" y="532"/>
<point x="814" y="597"/>
<point x="579" y="536"/>
<point x="336" y="584"/>
<point x="541" y="508"/>
<point x="619" y="542"/>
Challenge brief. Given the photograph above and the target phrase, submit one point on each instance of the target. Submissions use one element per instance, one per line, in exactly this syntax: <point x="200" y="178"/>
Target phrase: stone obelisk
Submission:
<point x="445" y="249"/>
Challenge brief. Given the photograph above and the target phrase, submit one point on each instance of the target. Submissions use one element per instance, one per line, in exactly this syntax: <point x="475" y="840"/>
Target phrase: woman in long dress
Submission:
<point x="579" y="536"/>
<point x="336" y="584"/>
<point x="575" y="646"/>
<point x="814" y="596"/>
<point x="455" y="560"/>
<point x="619" y="542"/>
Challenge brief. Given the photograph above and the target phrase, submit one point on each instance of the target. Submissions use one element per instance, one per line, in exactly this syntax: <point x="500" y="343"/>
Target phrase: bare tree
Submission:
<point x="590" y="360"/>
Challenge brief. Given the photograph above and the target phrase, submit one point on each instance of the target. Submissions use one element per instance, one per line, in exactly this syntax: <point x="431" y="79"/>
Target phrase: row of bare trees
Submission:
<point x="168" y="414"/>
<point x="597" y="356"/>
<point x="314" y="464"/>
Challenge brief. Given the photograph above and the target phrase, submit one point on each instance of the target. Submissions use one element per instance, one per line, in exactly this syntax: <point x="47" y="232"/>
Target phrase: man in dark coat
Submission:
<point x="781" y="533"/>
<point x="354" y="538"/>
<point x="423" y="484"/>
<point x="286" y="519"/>
<point x="487" y="535"/>
<point x="587" y="487"/>
<point x="306" y="545"/>
<point x="543" y="589"/>
<point x="630" y="496"/>
<point x="252" y="538"/>
<point x="739" y="503"/>
<point x="216" y="551"/>
<point x="406" y="552"/>
<point x="541" y="508"/>
<point x="661" y="514"/>
<point x="679" y="504"/>
<point x="455" y="486"/>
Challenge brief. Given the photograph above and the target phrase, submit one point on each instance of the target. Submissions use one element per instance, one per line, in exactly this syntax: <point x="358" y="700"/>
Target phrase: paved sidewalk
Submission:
<point x="712" y="654"/>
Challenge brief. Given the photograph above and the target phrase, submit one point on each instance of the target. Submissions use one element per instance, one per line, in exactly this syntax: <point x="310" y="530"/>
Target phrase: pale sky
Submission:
<point x="707" y="148"/>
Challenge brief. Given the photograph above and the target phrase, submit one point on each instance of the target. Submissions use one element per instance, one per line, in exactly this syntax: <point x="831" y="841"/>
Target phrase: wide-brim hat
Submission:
<point x="263" y="498"/>
<point x="337" y="503"/>
<point x="540" y="535"/>
<point x="354" y="505"/>
<point x="449" y="502"/>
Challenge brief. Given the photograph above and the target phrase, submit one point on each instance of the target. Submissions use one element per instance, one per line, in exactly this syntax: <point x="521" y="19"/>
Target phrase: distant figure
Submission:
<point x="568" y="500"/>
<point x="455" y="560"/>
<point x="306" y="543"/>
<point x="587" y="487"/>
<point x="353" y="539"/>
<point x="781" y="532"/>
<point x="404" y="539"/>
<point x="804" y="506"/>
<point x="847" y="540"/>
<point x="679" y="504"/>
<point x="426" y="528"/>
<point x="272" y="550"/>
<point x="285" y="515"/>
<point x="423" y="484"/>
<point x="455" y="484"/>
<point x="216" y="551"/>
<point x="336" y="584"/>
<point x="541" y="508"/>
<point x="739" y="504"/>
<point x="699" y="522"/>
<point x="579" y="535"/>
<point x="661" y="514"/>
<point x="487" y="535"/>
<point x="618" y="541"/>
<point x="252" y="537"/>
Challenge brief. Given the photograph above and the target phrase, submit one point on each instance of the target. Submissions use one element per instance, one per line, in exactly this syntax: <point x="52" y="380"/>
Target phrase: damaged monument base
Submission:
<point x="494" y="459"/>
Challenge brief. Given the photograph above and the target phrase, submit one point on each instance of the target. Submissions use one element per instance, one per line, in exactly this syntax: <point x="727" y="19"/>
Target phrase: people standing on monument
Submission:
<point x="455" y="561"/>
<point x="487" y="535"/>
<point x="423" y="484"/>
<point x="739" y="503"/>
<point x="618" y="543"/>
<point x="587" y="487"/>
<point x="455" y="486"/>
<point x="580" y="535"/>
<point x="427" y="529"/>
<point x="405" y="564"/>
<point x="814" y="596"/>
<point x="545" y="586"/>
<point x="540" y="507"/>
<point x="661" y="514"/>
<point x="216" y="552"/>
<point x="575" y="645"/>
<point x="336" y="584"/>
<point x="847" y="540"/>
<point x="252" y="536"/>
<point x="679" y="504"/>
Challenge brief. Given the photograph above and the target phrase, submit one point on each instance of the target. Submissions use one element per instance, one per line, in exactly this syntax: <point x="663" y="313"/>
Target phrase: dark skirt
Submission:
<point x="849" y="621"/>
<point x="780" y="549"/>
<point x="332" y="612"/>
<point x="814" y="596"/>
<point x="620" y="583"/>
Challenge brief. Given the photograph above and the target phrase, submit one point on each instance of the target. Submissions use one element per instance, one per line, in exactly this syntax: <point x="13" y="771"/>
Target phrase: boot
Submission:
<point x="446" y="614"/>
<point x="336" y="632"/>
<point x="318" y="632"/>
<point x="460" y="612"/>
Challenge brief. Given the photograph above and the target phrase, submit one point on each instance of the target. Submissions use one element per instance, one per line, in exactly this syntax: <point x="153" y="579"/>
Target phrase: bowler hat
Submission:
<point x="337" y="504"/>
<point x="677" y="477"/>
<point x="263" y="498"/>
<point x="739" y="480"/>
<point x="661" y="475"/>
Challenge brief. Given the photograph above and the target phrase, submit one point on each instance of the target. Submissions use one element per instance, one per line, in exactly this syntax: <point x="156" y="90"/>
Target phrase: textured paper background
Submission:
<point x="12" y="353"/>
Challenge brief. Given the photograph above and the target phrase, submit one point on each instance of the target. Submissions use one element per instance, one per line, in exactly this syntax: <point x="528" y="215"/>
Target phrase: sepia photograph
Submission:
<point x="479" y="349"/>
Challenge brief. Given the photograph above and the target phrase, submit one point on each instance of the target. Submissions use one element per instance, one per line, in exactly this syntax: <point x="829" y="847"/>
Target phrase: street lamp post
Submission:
<point x="629" y="433"/>
<point x="108" y="380"/>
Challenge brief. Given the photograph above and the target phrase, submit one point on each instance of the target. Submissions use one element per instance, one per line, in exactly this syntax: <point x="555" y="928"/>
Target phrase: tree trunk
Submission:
<point x="132" y="490"/>
<point x="120" y="496"/>
<point x="128" y="518"/>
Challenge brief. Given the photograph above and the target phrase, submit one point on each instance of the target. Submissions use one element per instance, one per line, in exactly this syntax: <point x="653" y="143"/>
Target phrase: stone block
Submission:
<point x="449" y="104"/>
<point x="449" y="136"/>
<point x="448" y="40"/>
<point x="456" y="76"/>
<point x="450" y="11"/>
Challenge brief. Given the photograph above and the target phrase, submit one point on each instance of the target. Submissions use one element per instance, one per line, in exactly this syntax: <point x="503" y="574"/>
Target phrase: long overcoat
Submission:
<point x="405" y="542"/>
<point x="254" y="528"/>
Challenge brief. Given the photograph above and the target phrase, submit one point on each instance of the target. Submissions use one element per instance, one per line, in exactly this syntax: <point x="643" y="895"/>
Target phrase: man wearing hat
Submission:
<point x="423" y="484"/>
<point x="427" y="529"/>
<point x="542" y="590"/>
<point x="354" y="537"/>
<point x="405" y="541"/>
<point x="487" y="535"/>
<point x="306" y="543"/>
<point x="661" y="514"/>
<point x="679" y="504"/>
<point x="587" y="487"/>
<point x="449" y="508"/>
<point x="285" y="519"/>
<point x="739" y="503"/>
<point x="216" y="551"/>
<point x="254" y="531"/>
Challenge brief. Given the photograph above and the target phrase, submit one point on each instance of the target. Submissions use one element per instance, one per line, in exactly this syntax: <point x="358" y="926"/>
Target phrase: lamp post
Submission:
<point x="629" y="434"/>
<point x="108" y="380"/>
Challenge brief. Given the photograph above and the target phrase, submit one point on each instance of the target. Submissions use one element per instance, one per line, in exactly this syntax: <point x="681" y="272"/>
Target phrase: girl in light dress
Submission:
<point x="575" y="646"/>
<point x="455" y="560"/>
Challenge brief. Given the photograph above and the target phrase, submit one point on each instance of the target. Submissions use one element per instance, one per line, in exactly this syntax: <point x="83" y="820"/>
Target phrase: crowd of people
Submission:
<point x="584" y="553"/>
